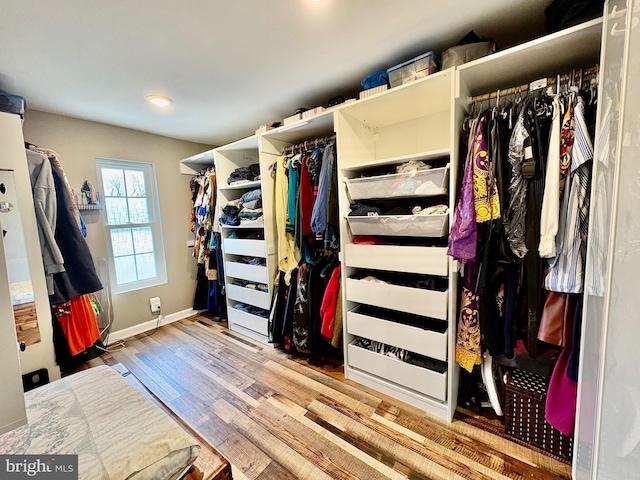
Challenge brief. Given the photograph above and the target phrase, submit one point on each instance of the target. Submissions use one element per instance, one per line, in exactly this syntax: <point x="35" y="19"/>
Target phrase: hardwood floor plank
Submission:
<point x="300" y="415"/>
<point x="424" y="461"/>
<point x="285" y="456"/>
<point x="318" y="387"/>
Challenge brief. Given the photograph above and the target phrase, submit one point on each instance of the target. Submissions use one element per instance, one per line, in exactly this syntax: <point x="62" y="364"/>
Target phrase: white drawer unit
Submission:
<point x="255" y="273"/>
<point x="415" y="339"/>
<point x="423" y="183"/>
<point x="398" y="258"/>
<point x="427" y="226"/>
<point x="240" y="246"/>
<point x="419" y="379"/>
<point x="428" y="303"/>
<point x="249" y="295"/>
<point x="247" y="320"/>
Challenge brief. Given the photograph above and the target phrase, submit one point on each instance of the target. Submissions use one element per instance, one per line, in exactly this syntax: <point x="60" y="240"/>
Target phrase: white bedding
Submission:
<point x="116" y="431"/>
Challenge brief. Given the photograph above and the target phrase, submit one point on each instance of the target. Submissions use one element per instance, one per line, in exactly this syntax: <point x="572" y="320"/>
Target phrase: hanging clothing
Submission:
<point x="80" y="276"/>
<point x="550" y="213"/>
<point x="566" y="272"/>
<point x="46" y="205"/>
<point x="485" y="193"/>
<point x="468" y="350"/>
<point x="78" y="322"/>
<point x="288" y="253"/>
<point x="463" y="237"/>
<point x="329" y="305"/>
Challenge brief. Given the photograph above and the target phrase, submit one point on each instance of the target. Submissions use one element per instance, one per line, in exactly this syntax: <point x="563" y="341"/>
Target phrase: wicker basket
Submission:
<point x="525" y="417"/>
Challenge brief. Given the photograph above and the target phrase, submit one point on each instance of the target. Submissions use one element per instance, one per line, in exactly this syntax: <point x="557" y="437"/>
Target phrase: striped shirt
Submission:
<point x="566" y="271"/>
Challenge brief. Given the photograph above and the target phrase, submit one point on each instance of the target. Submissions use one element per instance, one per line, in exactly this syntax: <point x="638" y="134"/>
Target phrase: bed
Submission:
<point x="116" y="431"/>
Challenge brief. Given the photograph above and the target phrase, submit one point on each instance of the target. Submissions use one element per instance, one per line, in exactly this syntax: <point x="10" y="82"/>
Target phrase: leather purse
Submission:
<point x="556" y="323"/>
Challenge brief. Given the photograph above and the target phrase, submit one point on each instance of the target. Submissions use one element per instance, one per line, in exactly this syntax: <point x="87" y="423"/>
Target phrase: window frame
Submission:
<point x="155" y="222"/>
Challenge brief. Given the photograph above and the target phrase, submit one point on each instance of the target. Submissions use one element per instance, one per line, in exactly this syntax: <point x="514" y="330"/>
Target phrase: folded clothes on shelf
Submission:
<point x="253" y="204"/>
<point x="252" y="285"/>
<point x="362" y="210"/>
<point x="412" y="166"/>
<point x="250" y="214"/>
<point x="251" y="195"/>
<point x="255" y="261"/>
<point x="243" y="307"/>
<point x="244" y="174"/>
<point x="406" y="280"/>
<point x="401" y="354"/>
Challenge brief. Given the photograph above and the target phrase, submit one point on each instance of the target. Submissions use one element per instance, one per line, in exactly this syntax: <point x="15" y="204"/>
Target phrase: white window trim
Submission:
<point x="155" y="222"/>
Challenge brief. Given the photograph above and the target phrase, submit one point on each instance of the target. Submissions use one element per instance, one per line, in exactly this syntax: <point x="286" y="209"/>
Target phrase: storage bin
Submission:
<point x="426" y="342"/>
<point x="436" y="225"/>
<point x="241" y="246"/>
<point x="422" y="183"/>
<point x="417" y="67"/>
<point x="247" y="320"/>
<point x="419" y="379"/>
<point x="249" y="295"/>
<point x="12" y="103"/>
<point x="525" y="415"/>
<point x="398" y="258"/>
<point x="419" y="301"/>
<point x="255" y="273"/>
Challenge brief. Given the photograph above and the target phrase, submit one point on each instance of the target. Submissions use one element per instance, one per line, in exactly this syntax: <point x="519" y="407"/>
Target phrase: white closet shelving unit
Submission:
<point x="416" y="121"/>
<point x="194" y="164"/>
<point x="235" y="243"/>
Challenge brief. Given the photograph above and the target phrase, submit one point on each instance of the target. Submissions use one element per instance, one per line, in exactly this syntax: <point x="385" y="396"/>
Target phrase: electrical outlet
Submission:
<point x="155" y="304"/>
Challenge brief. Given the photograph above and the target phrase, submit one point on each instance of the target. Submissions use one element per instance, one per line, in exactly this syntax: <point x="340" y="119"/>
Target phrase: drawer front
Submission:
<point x="428" y="303"/>
<point x="250" y="296"/>
<point x="425" y="342"/>
<point x="416" y="378"/>
<point x="246" y="320"/>
<point x="251" y="248"/>
<point x="426" y="260"/>
<point x="247" y="272"/>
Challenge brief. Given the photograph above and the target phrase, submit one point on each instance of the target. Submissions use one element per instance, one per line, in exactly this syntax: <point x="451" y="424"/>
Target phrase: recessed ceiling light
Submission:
<point x="159" y="100"/>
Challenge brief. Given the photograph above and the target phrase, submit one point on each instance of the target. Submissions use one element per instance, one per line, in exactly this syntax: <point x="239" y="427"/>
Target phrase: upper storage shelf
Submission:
<point x="575" y="47"/>
<point x="413" y="100"/>
<point x="406" y="123"/>
<point x="195" y="163"/>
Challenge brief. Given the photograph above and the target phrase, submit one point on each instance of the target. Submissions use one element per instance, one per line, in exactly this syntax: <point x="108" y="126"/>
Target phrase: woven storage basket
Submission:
<point x="525" y="418"/>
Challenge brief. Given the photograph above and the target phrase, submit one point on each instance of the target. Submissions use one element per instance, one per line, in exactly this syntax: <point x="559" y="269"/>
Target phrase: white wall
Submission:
<point x="79" y="143"/>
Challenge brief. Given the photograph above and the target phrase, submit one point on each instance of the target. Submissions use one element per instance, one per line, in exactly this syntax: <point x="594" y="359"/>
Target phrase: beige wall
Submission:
<point x="79" y="143"/>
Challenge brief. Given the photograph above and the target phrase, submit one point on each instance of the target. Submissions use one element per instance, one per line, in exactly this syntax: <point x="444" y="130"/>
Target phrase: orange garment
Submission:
<point x="79" y="324"/>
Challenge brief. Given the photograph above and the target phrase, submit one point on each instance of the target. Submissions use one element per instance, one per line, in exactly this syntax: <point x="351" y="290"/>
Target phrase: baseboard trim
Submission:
<point x="150" y="325"/>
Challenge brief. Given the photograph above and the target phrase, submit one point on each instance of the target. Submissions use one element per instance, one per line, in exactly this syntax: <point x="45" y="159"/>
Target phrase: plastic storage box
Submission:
<point x="436" y="225"/>
<point x="422" y="183"/>
<point x="413" y="69"/>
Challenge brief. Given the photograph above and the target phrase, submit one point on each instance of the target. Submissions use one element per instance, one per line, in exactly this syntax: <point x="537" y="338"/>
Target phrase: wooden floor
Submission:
<point x="275" y="418"/>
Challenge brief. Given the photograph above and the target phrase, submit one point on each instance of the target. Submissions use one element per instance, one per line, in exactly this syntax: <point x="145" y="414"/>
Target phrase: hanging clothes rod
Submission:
<point x="309" y="145"/>
<point x="579" y="76"/>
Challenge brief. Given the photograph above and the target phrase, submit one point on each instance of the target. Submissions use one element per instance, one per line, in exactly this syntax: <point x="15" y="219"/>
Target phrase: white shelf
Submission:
<point x="241" y="186"/>
<point x="574" y="47"/>
<point x="420" y="98"/>
<point x="414" y="339"/>
<point x="248" y="143"/>
<point x="309" y="128"/>
<point x="233" y="227"/>
<point x="418" y="301"/>
<point x="427" y="156"/>
<point x="203" y="159"/>
<point x="422" y="380"/>
<point x="398" y="258"/>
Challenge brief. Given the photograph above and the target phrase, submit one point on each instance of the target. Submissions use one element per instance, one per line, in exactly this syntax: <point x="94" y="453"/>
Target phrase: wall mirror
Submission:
<point x="22" y="296"/>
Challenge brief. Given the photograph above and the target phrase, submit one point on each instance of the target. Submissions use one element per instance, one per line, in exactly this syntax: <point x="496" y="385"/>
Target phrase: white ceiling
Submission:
<point x="229" y="65"/>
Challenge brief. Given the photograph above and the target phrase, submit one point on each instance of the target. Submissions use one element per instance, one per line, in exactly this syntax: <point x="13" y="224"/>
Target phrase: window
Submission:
<point x="132" y="224"/>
